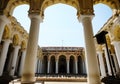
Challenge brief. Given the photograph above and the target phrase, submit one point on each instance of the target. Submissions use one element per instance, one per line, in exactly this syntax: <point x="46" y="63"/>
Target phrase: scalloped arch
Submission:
<point x="47" y="3"/>
<point x="13" y="4"/>
<point x="113" y="4"/>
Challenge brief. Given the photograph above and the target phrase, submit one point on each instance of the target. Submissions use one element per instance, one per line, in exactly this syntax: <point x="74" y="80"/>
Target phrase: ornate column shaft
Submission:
<point x="31" y="54"/>
<point x="117" y="50"/>
<point x="3" y="21"/>
<point x="102" y="65"/>
<point x="22" y="61"/>
<point x="14" y="60"/>
<point x="90" y="51"/>
<point x="3" y="54"/>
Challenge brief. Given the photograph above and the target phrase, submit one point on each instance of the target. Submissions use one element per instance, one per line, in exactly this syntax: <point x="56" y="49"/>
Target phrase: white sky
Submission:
<point x="60" y="26"/>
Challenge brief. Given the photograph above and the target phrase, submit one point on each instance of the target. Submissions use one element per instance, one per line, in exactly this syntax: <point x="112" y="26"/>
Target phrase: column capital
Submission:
<point x="7" y="40"/>
<point x="115" y="42"/>
<point x="16" y="46"/>
<point x="36" y="16"/>
<point x="4" y="19"/>
<point x="82" y="17"/>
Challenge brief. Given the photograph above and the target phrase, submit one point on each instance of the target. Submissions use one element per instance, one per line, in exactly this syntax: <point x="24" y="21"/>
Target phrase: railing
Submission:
<point x="60" y="75"/>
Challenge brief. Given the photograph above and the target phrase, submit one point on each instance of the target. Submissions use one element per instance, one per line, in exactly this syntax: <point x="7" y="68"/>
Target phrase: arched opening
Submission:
<point x="102" y="14"/>
<point x="45" y="62"/>
<point x="80" y="65"/>
<point x="52" y="65"/>
<point x="72" y="65"/>
<point x="62" y="65"/>
<point x="22" y="18"/>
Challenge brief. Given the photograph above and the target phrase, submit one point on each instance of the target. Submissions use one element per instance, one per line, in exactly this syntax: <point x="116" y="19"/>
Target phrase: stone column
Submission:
<point x="22" y="61"/>
<point x="3" y="21"/>
<point x="90" y="51"/>
<point x="68" y="69"/>
<point x="40" y="66"/>
<point x="107" y="61"/>
<point x="116" y="64"/>
<point x="48" y="68"/>
<point x="3" y="54"/>
<point x="56" y="70"/>
<point x="102" y="65"/>
<point x="76" y="67"/>
<point x="84" y="67"/>
<point x="32" y="46"/>
<point x="14" y="60"/>
<point x="117" y="50"/>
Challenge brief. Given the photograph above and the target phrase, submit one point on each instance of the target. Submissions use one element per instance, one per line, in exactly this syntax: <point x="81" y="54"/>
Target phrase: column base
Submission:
<point x="27" y="82"/>
<point x="28" y="79"/>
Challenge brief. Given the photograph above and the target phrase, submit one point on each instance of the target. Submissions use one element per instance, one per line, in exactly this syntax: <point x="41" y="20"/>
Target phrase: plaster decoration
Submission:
<point x="16" y="39"/>
<point x="13" y="4"/>
<point x="23" y="45"/>
<point x="113" y="4"/>
<point x="6" y="34"/>
<point x="116" y="33"/>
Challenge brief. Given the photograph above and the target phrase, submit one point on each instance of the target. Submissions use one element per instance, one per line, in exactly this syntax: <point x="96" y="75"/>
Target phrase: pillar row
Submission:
<point x="117" y="50"/>
<point x="107" y="61"/>
<point x="102" y="65"/>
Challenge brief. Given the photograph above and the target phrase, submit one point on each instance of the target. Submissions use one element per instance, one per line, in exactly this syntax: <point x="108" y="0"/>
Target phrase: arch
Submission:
<point x="62" y="68"/>
<point x="72" y="65"/>
<point x="6" y="33"/>
<point x="111" y="3"/>
<point x="52" y="64"/>
<point x="12" y="4"/>
<point x="44" y="63"/>
<point x="16" y="39"/>
<point x="47" y="3"/>
<point x="80" y="65"/>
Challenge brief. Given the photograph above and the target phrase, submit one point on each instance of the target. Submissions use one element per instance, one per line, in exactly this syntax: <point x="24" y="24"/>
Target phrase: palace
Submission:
<point x="21" y="57"/>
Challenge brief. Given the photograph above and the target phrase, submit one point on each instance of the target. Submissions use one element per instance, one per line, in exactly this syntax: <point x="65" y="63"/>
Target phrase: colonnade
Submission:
<point x="105" y="67"/>
<point x="55" y="66"/>
<point x="10" y="57"/>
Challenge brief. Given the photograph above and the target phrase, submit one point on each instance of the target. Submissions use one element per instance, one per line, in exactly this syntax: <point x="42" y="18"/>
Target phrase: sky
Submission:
<point x="60" y="26"/>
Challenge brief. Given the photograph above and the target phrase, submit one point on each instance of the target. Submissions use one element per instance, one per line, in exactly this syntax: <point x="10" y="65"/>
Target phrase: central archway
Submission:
<point x="62" y="65"/>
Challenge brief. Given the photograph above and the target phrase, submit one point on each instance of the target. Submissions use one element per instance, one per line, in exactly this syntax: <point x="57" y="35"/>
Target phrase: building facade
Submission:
<point x="61" y="60"/>
<point x="18" y="52"/>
